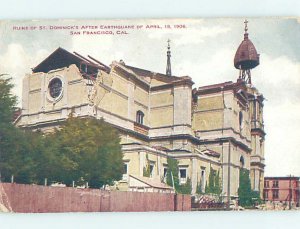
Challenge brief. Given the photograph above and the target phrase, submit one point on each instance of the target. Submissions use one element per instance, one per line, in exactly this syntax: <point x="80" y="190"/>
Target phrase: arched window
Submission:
<point x="242" y="162"/>
<point x="140" y="117"/>
<point x="241" y="119"/>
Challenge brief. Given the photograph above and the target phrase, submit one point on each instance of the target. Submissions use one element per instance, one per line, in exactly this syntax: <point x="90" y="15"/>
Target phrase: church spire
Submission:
<point x="168" y="69"/>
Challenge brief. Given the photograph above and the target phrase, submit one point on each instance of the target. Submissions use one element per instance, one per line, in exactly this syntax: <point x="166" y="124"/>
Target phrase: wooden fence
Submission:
<point x="35" y="198"/>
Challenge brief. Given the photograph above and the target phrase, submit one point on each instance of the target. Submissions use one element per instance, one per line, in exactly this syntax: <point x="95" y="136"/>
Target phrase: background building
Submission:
<point x="282" y="189"/>
<point x="214" y="128"/>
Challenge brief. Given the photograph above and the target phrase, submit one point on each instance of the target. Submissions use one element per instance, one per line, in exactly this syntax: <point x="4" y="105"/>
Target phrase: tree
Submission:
<point x="218" y="187"/>
<point x="146" y="170"/>
<point x="8" y="101"/>
<point x="199" y="188"/>
<point x="247" y="197"/>
<point x="24" y="156"/>
<point x="7" y="106"/>
<point x="21" y="152"/>
<point x="213" y="186"/>
<point x="8" y="132"/>
<point x="172" y="173"/>
<point x="209" y="187"/>
<point x="84" y="150"/>
<point x="172" y="176"/>
<point x="185" y="188"/>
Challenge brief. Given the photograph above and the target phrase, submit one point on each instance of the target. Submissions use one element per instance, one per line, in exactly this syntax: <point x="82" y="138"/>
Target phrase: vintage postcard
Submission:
<point x="149" y="115"/>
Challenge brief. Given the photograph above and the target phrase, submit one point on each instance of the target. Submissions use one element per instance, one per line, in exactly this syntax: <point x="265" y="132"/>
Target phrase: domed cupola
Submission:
<point x="246" y="57"/>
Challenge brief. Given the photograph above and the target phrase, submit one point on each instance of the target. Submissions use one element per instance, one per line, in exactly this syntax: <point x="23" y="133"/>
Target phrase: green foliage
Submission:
<point x="185" y="188"/>
<point x="15" y="156"/>
<point x="218" y="186"/>
<point x="146" y="170"/>
<point x="12" y="151"/>
<point x="206" y="188"/>
<point x="199" y="188"/>
<point x="247" y="197"/>
<point x="214" y="183"/>
<point x="7" y="101"/>
<point x="173" y="170"/>
<point x="256" y="198"/>
<point x="84" y="150"/>
<point x="7" y="106"/>
<point x="211" y="182"/>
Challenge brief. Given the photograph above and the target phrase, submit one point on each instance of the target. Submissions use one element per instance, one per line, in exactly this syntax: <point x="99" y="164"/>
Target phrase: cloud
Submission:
<point x="282" y="139"/>
<point x="278" y="79"/>
<point x="104" y="48"/>
<point x="190" y="35"/>
<point x="95" y="46"/>
<point x="279" y="69"/>
<point x="196" y="36"/>
<point x="211" y="70"/>
<point x="15" y="61"/>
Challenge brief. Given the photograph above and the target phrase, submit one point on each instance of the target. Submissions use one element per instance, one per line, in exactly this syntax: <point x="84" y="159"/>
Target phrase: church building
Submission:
<point x="213" y="128"/>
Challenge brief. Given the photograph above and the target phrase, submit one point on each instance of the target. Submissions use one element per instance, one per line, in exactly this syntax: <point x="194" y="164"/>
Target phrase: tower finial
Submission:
<point x="246" y="25"/>
<point x="246" y="29"/>
<point x="168" y="69"/>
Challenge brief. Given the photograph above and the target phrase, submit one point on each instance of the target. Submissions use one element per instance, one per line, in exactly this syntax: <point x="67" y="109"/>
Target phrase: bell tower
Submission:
<point x="246" y="57"/>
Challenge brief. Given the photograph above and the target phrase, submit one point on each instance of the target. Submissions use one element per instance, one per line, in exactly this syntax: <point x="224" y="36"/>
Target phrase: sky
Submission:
<point x="203" y="50"/>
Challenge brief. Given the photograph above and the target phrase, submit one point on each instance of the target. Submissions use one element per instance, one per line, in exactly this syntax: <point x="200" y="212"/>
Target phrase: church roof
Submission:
<point x="89" y="68"/>
<point x="246" y="56"/>
<point x="213" y="88"/>
<point x="62" y="58"/>
<point x="148" y="73"/>
<point x="159" y="76"/>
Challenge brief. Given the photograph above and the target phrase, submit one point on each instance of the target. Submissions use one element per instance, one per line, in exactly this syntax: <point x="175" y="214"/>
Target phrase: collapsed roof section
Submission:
<point x="145" y="76"/>
<point x="211" y="153"/>
<point x="62" y="58"/>
<point x="147" y="73"/>
<point x="89" y="67"/>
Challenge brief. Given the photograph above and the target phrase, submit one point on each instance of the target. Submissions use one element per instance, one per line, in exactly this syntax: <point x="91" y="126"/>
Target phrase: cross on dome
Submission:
<point x="246" y="25"/>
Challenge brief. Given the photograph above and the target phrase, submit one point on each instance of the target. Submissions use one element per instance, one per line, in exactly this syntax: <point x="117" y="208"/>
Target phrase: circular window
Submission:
<point x="55" y="88"/>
